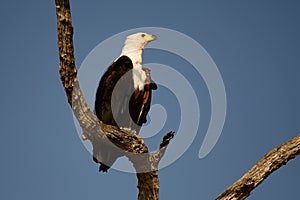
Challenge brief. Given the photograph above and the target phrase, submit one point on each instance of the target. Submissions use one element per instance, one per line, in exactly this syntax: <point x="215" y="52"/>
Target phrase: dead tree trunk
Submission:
<point x="145" y="163"/>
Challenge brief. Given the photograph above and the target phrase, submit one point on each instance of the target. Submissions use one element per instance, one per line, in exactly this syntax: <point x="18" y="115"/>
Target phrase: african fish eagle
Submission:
<point x="123" y="96"/>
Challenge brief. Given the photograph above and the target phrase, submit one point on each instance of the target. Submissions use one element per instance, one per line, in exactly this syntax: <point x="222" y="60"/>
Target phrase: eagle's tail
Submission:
<point x="106" y="154"/>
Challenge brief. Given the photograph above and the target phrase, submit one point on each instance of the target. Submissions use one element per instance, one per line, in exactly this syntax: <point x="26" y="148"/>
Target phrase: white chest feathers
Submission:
<point x="139" y="78"/>
<point x="138" y="74"/>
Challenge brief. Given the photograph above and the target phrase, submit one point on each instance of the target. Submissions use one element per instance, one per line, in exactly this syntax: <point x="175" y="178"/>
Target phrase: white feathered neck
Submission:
<point x="134" y="50"/>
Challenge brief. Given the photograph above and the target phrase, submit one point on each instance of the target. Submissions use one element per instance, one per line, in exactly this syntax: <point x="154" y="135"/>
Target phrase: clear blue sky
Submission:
<point x="255" y="45"/>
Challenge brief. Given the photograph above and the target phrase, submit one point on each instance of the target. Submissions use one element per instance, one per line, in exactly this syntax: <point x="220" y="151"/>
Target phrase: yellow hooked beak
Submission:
<point x="149" y="37"/>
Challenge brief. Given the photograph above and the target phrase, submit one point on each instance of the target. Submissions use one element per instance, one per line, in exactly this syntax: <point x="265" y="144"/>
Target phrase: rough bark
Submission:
<point x="273" y="160"/>
<point x="145" y="163"/>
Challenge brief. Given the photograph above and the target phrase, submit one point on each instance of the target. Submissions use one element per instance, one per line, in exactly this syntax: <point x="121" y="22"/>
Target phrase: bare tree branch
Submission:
<point x="145" y="163"/>
<point x="273" y="160"/>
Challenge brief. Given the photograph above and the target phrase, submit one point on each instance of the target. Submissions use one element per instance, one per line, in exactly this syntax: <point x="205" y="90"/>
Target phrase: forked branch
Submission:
<point x="145" y="163"/>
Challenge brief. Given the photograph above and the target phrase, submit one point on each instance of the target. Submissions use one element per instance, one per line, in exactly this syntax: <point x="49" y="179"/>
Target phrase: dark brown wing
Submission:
<point x="140" y="102"/>
<point x="113" y="93"/>
<point x="114" y="90"/>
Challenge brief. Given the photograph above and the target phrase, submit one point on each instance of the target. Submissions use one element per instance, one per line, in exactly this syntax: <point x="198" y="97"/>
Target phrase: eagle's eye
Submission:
<point x="143" y="35"/>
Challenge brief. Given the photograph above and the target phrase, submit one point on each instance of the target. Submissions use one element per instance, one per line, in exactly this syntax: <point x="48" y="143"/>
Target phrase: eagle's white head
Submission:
<point x="136" y="42"/>
<point x="133" y="48"/>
